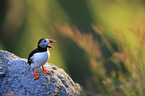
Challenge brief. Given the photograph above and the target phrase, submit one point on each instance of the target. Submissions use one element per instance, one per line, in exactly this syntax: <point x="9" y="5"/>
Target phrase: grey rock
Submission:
<point x="17" y="76"/>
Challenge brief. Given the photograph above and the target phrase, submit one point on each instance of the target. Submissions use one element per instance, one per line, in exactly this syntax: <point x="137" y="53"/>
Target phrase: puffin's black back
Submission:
<point x="33" y="52"/>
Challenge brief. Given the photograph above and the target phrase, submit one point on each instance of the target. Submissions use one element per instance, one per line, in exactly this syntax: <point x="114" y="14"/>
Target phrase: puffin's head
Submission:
<point x="45" y="43"/>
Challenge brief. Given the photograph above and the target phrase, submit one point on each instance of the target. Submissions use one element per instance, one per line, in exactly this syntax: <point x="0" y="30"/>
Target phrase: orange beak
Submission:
<point x="49" y="46"/>
<point x="51" y="40"/>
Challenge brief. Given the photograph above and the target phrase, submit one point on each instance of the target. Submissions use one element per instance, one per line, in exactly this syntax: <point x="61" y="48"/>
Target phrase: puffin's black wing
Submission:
<point x="31" y="54"/>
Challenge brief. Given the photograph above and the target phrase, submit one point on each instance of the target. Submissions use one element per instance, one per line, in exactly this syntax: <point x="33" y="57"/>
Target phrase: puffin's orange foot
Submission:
<point x="36" y="76"/>
<point x="46" y="71"/>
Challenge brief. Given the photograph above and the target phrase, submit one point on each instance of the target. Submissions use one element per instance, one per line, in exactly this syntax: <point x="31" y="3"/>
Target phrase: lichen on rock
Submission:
<point x="17" y="76"/>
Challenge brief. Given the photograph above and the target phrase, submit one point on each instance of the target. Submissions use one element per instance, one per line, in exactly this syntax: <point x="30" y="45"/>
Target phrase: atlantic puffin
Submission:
<point x="39" y="56"/>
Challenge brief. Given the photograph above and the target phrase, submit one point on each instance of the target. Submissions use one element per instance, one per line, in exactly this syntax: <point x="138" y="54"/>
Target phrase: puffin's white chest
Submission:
<point x="40" y="59"/>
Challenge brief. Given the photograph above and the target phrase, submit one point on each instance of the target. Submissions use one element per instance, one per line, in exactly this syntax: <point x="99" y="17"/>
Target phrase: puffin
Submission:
<point x="39" y="56"/>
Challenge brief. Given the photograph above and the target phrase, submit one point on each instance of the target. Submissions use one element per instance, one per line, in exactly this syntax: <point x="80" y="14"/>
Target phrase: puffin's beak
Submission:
<point x="51" y="41"/>
<point x="49" y="46"/>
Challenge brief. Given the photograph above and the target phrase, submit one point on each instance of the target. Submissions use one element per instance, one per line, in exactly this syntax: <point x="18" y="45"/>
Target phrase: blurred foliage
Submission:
<point x="121" y="73"/>
<point x="105" y="52"/>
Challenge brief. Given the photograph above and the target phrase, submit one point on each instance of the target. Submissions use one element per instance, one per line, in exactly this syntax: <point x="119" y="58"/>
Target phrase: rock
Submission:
<point x="17" y="76"/>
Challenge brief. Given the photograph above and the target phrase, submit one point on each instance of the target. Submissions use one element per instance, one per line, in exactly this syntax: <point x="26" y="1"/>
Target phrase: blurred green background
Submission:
<point x="24" y="22"/>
